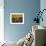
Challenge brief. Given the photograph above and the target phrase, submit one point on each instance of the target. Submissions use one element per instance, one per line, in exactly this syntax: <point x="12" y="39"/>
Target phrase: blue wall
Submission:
<point x="29" y="8"/>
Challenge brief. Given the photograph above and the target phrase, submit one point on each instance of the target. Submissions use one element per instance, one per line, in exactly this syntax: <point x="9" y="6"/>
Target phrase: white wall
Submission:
<point x="1" y="20"/>
<point x="43" y="6"/>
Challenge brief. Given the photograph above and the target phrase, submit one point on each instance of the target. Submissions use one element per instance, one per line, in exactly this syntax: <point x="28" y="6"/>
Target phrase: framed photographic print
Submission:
<point x="16" y="18"/>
